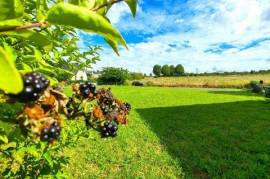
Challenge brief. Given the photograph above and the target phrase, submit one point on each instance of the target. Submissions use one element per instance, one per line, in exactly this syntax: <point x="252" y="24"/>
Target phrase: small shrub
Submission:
<point x="136" y="76"/>
<point x="113" y="76"/>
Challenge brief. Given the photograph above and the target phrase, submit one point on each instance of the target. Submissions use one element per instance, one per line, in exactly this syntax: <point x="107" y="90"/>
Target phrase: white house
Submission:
<point x="80" y="75"/>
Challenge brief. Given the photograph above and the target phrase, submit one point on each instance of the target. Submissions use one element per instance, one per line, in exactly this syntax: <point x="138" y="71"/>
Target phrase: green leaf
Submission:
<point x="7" y="24"/>
<point x="19" y="155"/>
<point x="8" y="146"/>
<point x="103" y="10"/>
<point x="4" y="138"/>
<point x="10" y="51"/>
<point x="10" y="79"/>
<point x="85" y="3"/>
<point x="32" y="150"/>
<point x="10" y="9"/>
<point x="132" y="4"/>
<point x="113" y="44"/>
<point x="82" y="18"/>
<point x="31" y="35"/>
<point x="48" y="158"/>
<point x="39" y="10"/>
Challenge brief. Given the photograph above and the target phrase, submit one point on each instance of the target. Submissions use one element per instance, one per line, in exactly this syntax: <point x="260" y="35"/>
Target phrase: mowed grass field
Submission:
<point x="181" y="133"/>
<point x="226" y="81"/>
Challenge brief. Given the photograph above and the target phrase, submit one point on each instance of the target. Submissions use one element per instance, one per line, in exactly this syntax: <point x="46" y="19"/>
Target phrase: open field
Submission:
<point x="172" y="132"/>
<point x="216" y="133"/>
<point x="228" y="81"/>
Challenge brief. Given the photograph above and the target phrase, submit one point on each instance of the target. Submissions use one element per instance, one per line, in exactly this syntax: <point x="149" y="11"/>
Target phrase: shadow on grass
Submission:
<point x="235" y="92"/>
<point x="224" y="140"/>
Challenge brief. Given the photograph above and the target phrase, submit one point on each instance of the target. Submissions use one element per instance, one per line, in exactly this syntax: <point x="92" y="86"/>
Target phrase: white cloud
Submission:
<point x="238" y="22"/>
<point x="117" y="11"/>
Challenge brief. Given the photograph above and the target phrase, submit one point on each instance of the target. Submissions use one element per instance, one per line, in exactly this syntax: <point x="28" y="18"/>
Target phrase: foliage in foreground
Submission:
<point x="41" y="36"/>
<point x="42" y="119"/>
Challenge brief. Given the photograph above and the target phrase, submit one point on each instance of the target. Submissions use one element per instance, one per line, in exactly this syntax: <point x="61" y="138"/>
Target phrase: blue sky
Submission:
<point x="203" y="35"/>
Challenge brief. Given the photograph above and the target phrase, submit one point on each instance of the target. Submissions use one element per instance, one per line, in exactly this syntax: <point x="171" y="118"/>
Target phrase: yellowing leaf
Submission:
<point x="10" y="79"/>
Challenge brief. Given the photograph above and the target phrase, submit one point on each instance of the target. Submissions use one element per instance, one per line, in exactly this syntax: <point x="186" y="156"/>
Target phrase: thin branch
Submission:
<point x="28" y="26"/>
<point x="106" y="4"/>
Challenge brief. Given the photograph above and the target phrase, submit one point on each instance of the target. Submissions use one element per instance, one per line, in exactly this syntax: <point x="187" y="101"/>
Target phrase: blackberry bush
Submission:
<point x="34" y="86"/>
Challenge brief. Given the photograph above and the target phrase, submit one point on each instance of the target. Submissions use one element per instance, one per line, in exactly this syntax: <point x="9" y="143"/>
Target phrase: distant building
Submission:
<point x="80" y="75"/>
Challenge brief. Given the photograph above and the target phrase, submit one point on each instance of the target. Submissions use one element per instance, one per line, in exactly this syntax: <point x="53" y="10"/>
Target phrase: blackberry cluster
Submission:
<point x="34" y="85"/>
<point x="128" y="106"/>
<point x="50" y="133"/>
<point x="109" y="129"/>
<point x="87" y="88"/>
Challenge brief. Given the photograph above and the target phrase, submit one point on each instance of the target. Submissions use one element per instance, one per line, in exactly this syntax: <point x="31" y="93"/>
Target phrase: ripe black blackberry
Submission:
<point x="109" y="129"/>
<point x="34" y="85"/>
<point x="87" y="88"/>
<point x="50" y="133"/>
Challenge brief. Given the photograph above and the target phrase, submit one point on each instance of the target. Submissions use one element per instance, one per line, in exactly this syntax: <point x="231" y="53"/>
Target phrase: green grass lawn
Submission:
<point x="176" y="132"/>
<point x="173" y="131"/>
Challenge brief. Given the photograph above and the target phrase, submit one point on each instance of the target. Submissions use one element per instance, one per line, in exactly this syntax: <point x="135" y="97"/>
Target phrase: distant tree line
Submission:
<point x="168" y="70"/>
<point x="228" y="73"/>
<point x="178" y="70"/>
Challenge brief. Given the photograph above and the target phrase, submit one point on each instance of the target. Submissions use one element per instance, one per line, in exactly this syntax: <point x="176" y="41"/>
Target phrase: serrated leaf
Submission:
<point x="31" y="35"/>
<point x="132" y="4"/>
<point x="11" y="9"/>
<point x="82" y="18"/>
<point x="10" y="79"/>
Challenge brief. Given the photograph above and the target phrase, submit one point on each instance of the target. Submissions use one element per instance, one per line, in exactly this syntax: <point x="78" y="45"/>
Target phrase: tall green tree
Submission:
<point x="157" y="70"/>
<point x="165" y="70"/>
<point x="172" y="70"/>
<point x="179" y="70"/>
